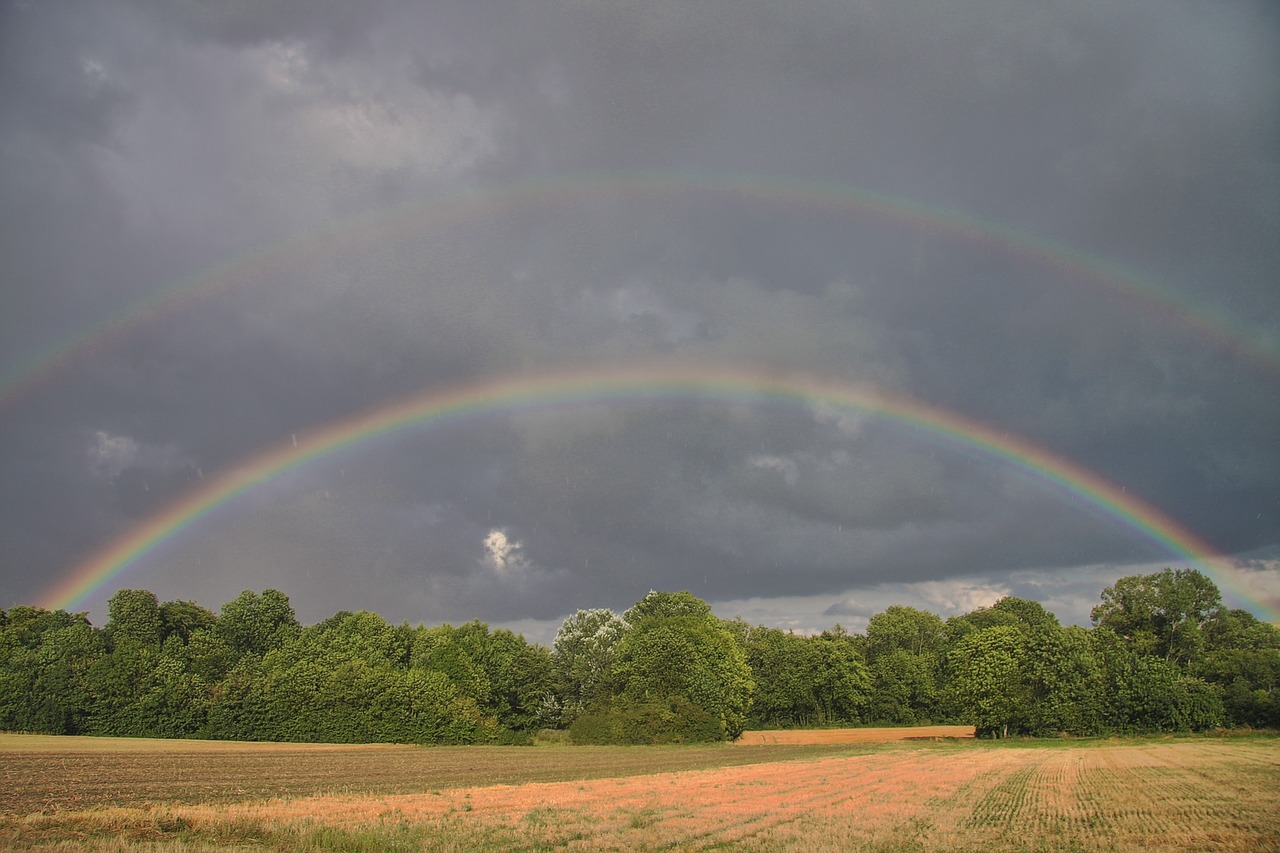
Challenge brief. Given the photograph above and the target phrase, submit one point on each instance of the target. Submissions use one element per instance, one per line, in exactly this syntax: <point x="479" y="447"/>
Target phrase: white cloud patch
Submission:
<point x="640" y="305"/>
<point x="109" y="454"/>
<point x="847" y="421"/>
<point x="791" y="466"/>
<point x="336" y="113"/>
<point x="785" y="466"/>
<point x="946" y="598"/>
<point x="503" y="554"/>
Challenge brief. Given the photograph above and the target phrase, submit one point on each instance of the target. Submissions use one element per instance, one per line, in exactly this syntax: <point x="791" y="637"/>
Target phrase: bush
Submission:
<point x="675" y="721"/>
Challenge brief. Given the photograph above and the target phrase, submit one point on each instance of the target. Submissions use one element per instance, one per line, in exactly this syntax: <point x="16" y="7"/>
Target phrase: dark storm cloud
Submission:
<point x="353" y="157"/>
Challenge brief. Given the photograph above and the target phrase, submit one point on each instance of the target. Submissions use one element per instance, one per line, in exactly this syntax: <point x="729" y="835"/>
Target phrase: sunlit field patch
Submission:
<point x="1170" y="794"/>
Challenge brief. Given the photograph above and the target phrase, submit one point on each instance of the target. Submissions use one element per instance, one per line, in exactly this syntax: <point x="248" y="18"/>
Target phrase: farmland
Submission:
<point x="922" y="795"/>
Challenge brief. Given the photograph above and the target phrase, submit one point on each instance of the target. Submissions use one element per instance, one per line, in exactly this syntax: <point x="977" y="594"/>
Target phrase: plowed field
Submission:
<point x="1188" y="795"/>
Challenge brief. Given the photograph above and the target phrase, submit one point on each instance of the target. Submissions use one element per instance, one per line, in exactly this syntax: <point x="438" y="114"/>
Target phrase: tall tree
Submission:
<point x="987" y="681"/>
<point x="133" y="617"/>
<point x="254" y="624"/>
<point x="904" y="656"/>
<point x="1242" y="656"/>
<point x="45" y="657"/>
<point x="184" y="618"/>
<point x="582" y="658"/>
<point x="675" y="649"/>
<point x="1160" y="614"/>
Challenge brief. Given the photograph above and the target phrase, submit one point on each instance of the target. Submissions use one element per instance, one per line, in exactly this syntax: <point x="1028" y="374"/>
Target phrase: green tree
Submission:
<point x="675" y="649"/>
<point x="1242" y="656"/>
<point x="254" y="624"/>
<point x="804" y="681"/>
<point x="442" y="650"/>
<point x="44" y="661"/>
<point x="1161" y="614"/>
<point x="904" y="655"/>
<point x="518" y="676"/>
<point x="133" y="616"/>
<point x="582" y="659"/>
<point x="987" y="683"/>
<point x="1062" y="673"/>
<point x="904" y="628"/>
<point x="349" y="679"/>
<point x="781" y="670"/>
<point x="841" y="685"/>
<point x="184" y="618"/>
<point x="658" y="605"/>
<point x="1145" y="692"/>
<point x="144" y="691"/>
<point x="1029" y="614"/>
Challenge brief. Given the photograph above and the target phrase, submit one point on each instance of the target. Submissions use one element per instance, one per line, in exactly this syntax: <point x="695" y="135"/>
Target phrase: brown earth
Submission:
<point x="882" y="735"/>
<point x="1188" y="795"/>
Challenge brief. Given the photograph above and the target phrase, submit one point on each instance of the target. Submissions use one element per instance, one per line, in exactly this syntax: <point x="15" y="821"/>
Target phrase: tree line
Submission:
<point x="1163" y="654"/>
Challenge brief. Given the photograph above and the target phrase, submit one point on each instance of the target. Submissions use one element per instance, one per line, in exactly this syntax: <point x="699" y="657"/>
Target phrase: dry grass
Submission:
<point x="1174" y="795"/>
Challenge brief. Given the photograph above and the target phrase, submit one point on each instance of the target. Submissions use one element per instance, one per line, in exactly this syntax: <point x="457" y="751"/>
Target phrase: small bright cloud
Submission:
<point x="956" y="597"/>
<point x="785" y="466"/>
<point x="847" y="421"/>
<point x="110" y="454"/>
<point x="334" y="111"/>
<point x="503" y="554"/>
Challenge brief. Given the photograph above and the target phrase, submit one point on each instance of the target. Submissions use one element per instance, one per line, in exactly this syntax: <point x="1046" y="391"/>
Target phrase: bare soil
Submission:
<point x="880" y="735"/>
<point x="928" y="796"/>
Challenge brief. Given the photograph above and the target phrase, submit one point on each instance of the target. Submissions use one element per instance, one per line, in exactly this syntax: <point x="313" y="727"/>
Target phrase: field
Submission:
<point x="1178" y="794"/>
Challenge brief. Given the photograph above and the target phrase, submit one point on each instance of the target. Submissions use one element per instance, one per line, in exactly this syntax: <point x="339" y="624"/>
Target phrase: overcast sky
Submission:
<point x="239" y="222"/>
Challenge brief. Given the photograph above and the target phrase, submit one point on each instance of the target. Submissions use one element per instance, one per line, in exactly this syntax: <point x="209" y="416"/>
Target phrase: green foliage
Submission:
<point x="666" y="605"/>
<point x="1242" y="657"/>
<point x="1161" y="614"/>
<point x="674" y="648"/>
<point x="904" y="629"/>
<point x="1062" y="673"/>
<point x="582" y="660"/>
<point x="133" y="618"/>
<point x="804" y="681"/>
<point x="44" y="661"/>
<point x="1145" y="692"/>
<point x="1165" y="656"/>
<point x="905" y="689"/>
<point x="904" y="655"/>
<point x="987" y="683"/>
<point x="184" y="618"/>
<point x="624" y="722"/>
<point x="254" y="624"/>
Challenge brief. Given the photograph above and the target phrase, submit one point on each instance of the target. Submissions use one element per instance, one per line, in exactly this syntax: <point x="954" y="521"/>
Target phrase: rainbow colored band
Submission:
<point x="628" y="384"/>
<point x="1152" y="297"/>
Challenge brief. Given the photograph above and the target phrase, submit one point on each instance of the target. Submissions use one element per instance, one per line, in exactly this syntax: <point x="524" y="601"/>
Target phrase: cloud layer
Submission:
<point x="1056" y="221"/>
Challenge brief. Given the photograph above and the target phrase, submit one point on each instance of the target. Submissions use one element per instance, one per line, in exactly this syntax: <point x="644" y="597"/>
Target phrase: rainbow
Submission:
<point x="638" y="384"/>
<point x="1152" y="297"/>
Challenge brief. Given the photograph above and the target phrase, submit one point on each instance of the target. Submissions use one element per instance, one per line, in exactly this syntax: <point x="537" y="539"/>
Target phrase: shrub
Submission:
<point x="676" y="720"/>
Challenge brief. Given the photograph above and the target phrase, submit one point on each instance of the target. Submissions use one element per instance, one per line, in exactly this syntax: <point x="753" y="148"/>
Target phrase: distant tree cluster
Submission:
<point x="1163" y="655"/>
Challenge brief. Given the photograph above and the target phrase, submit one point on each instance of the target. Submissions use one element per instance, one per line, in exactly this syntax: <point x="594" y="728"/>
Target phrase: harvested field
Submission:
<point x="40" y="772"/>
<point x="882" y="735"/>
<point x="1175" y="795"/>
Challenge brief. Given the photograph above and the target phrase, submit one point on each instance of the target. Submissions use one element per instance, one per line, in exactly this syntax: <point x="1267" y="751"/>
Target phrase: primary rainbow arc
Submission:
<point x="604" y="385"/>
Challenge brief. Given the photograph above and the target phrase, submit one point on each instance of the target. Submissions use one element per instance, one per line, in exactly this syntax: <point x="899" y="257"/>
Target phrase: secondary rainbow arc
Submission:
<point x="513" y="394"/>
<point x="390" y="224"/>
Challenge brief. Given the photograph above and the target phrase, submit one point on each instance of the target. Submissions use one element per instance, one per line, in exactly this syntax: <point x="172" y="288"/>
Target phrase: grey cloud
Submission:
<point x="378" y="199"/>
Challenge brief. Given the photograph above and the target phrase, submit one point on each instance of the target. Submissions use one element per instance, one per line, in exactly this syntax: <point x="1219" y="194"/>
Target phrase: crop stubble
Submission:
<point x="1178" y="795"/>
